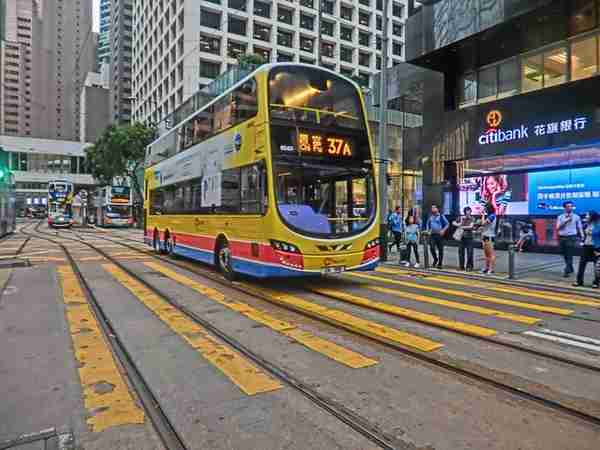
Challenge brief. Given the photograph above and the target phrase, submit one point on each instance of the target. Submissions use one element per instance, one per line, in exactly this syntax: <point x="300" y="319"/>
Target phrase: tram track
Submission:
<point x="162" y="424"/>
<point x="441" y="363"/>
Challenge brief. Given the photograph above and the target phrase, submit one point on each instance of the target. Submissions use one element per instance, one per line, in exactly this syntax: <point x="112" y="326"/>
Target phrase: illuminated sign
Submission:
<point x="496" y="135"/>
<point x="317" y="144"/>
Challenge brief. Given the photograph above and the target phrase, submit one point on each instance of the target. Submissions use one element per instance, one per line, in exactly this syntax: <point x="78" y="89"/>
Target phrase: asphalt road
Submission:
<point x="401" y="355"/>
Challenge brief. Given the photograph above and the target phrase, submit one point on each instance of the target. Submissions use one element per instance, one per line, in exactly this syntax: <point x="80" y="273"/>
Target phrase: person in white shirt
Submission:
<point x="569" y="229"/>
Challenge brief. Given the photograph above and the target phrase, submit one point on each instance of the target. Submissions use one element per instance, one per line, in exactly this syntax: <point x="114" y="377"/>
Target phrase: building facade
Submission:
<point x="103" y="49"/>
<point x="179" y="47"/>
<point x="95" y="109"/>
<point x="520" y="130"/>
<point x="35" y="162"/>
<point x="48" y="50"/>
<point x="121" y="32"/>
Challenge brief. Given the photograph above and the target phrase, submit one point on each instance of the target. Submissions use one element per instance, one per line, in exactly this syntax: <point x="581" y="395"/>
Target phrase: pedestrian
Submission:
<point x="488" y="238"/>
<point x="436" y="226"/>
<point x="412" y="235"/>
<point x="396" y="227"/>
<point x="527" y="238"/>
<point x="464" y="235"/>
<point x="569" y="228"/>
<point x="591" y="225"/>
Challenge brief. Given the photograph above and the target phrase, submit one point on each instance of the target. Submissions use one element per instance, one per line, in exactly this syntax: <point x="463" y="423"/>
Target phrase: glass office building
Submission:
<point x="520" y="129"/>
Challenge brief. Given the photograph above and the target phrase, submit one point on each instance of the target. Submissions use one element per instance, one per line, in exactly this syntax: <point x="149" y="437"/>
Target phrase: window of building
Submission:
<point x="508" y="78"/>
<point x="266" y="54"/>
<point x="210" y="19"/>
<point x="378" y="43"/>
<point x="397" y="29"/>
<point x="532" y="73"/>
<point x="488" y="84"/>
<point x="284" y="57"/>
<point x="262" y="32"/>
<point x="555" y="67"/>
<point x="285" y="38"/>
<point x="364" y="59"/>
<point x="346" y="54"/>
<point x="237" y="26"/>
<point x="397" y="48"/>
<point x="378" y="23"/>
<point x="378" y="63"/>
<point x="307" y="44"/>
<point x="346" y="12"/>
<point x="365" y="2"/>
<point x="584" y="58"/>
<point x="364" y="18"/>
<point x="583" y="17"/>
<point x="327" y="28"/>
<point x="364" y="38"/>
<point x="307" y="22"/>
<point x="262" y="9"/>
<point x="285" y="15"/>
<point x="307" y="3"/>
<point x="346" y="33"/>
<point x="363" y="79"/>
<point x="347" y="72"/>
<point x="210" y="44"/>
<point x="397" y="9"/>
<point x="327" y="7"/>
<point x="328" y="50"/>
<point x="467" y="92"/>
<point x="329" y="66"/>
<point x="304" y="60"/>
<point x="240" y="5"/>
<point x="209" y="69"/>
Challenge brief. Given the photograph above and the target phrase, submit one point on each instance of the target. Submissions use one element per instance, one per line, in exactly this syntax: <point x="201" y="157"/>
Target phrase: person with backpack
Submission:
<point x="464" y="235"/>
<point x="436" y="227"/>
<point x="488" y="239"/>
<point x="397" y="228"/>
<point x="590" y="248"/>
<point x="412" y="235"/>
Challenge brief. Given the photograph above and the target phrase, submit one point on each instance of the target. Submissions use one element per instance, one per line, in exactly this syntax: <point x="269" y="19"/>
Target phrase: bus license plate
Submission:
<point x="335" y="269"/>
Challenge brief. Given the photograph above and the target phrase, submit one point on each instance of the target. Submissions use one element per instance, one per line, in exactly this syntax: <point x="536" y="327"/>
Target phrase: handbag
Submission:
<point x="458" y="234"/>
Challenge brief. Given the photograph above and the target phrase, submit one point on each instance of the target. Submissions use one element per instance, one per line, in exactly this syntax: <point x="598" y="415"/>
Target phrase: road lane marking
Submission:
<point x="238" y="369"/>
<point x="521" y="291"/>
<point x="457" y="305"/>
<point x="320" y="345"/>
<point x="470" y="295"/>
<point x="562" y="340"/>
<point x="429" y="319"/>
<point x="105" y="392"/>
<point x="576" y="337"/>
<point x="341" y="319"/>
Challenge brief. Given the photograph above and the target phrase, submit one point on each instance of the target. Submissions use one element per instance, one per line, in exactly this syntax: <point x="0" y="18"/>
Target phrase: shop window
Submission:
<point x="555" y="67"/>
<point x="488" y="84"/>
<point x="467" y="89"/>
<point x="584" y="16"/>
<point x="532" y="73"/>
<point x="508" y="78"/>
<point x="584" y="58"/>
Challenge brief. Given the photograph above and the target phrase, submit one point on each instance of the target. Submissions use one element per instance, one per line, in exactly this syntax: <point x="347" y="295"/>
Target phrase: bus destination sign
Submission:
<point x="317" y="144"/>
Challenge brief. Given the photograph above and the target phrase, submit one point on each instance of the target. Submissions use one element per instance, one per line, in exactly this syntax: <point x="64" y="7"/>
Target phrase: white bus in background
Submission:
<point x="113" y="206"/>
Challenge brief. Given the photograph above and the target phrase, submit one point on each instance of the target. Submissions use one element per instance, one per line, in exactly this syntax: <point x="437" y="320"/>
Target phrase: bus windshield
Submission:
<point x="321" y="154"/>
<point x="312" y="96"/>
<point x="118" y="211"/>
<point x="120" y="193"/>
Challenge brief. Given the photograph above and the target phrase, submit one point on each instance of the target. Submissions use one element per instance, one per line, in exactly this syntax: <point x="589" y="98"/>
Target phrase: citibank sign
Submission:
<point x="495" y="134"/>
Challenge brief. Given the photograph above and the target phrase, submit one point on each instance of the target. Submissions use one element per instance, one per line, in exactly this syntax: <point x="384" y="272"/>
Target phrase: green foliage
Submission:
<point x="119" y="153"/>
<point x="251" y="60"/>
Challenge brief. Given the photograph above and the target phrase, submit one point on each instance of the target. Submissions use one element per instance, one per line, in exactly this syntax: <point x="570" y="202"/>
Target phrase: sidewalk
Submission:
<point x="535" y="268"/>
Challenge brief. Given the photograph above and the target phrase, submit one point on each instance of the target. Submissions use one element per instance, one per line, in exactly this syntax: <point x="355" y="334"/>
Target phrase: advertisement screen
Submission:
<point x="534" y="193"/>
<point x="549" y="190"/>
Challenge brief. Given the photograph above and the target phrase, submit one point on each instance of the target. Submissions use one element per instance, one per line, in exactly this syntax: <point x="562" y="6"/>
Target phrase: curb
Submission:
<point x="584" y="292"/>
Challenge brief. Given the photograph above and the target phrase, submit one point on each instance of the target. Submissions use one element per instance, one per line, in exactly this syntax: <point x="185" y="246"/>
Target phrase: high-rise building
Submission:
<point x="121" y="31"/>
<point x="103" y="50"/>
<point x="181" y="46"/>
<point x="48" y="51"/>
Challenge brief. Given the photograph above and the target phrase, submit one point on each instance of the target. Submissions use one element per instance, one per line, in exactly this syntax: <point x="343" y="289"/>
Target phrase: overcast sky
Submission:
<point x="96" y="9"/>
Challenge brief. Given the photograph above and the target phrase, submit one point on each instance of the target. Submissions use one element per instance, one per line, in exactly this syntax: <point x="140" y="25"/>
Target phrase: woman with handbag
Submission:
<point x="464" y="235"/>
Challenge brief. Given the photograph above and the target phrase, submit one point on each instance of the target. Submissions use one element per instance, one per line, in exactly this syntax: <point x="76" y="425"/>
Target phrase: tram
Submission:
<point x="113" y="206"/>
<point x="275" y="177"/>
<point x="60" y="203"/>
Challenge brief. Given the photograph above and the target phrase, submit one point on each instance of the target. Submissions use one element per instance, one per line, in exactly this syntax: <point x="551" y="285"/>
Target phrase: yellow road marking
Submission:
<point x="323" y="346"/>
<point x="473" y="296"/>
<point x="105" y="393"/>
<point x="89" y="258"/>
<point x="355" y="324"/>
<point x="244" y="374"/>
<point x="429" y="319"/>
<point x="457" y="305"/>
<point x="526" y="292"/>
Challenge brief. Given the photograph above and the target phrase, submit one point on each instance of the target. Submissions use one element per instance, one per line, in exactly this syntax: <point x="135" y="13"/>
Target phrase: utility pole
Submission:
<point x="383" y="150"/>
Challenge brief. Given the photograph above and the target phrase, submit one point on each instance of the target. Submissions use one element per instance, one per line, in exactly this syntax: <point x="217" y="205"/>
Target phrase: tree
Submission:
<point x="119" y="153"/>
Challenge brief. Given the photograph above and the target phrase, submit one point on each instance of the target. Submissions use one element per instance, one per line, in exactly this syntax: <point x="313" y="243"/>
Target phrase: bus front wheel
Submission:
<point x="224" y="261"/>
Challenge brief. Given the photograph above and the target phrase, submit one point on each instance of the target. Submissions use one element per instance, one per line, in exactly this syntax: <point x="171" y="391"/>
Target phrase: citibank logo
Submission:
<point x="494" y="134"/>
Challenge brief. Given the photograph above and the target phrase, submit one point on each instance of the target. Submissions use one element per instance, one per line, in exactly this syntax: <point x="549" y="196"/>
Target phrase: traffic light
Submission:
<point x="3" y="164"/>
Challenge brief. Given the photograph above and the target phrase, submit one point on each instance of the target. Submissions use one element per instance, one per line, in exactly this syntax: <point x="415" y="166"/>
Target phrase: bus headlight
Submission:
<point x="372" y="244"/>
<point x="284" y="246"/>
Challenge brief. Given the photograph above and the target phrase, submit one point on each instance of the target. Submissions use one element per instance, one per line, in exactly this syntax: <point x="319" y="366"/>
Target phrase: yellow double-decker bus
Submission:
<point x="273" y="178"/>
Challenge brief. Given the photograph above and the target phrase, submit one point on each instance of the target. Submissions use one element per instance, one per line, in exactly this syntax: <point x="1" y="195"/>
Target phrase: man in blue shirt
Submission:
<point x="395" y="224"/>
<point x="436" y="226"/>
<point x="568" y="228"/>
